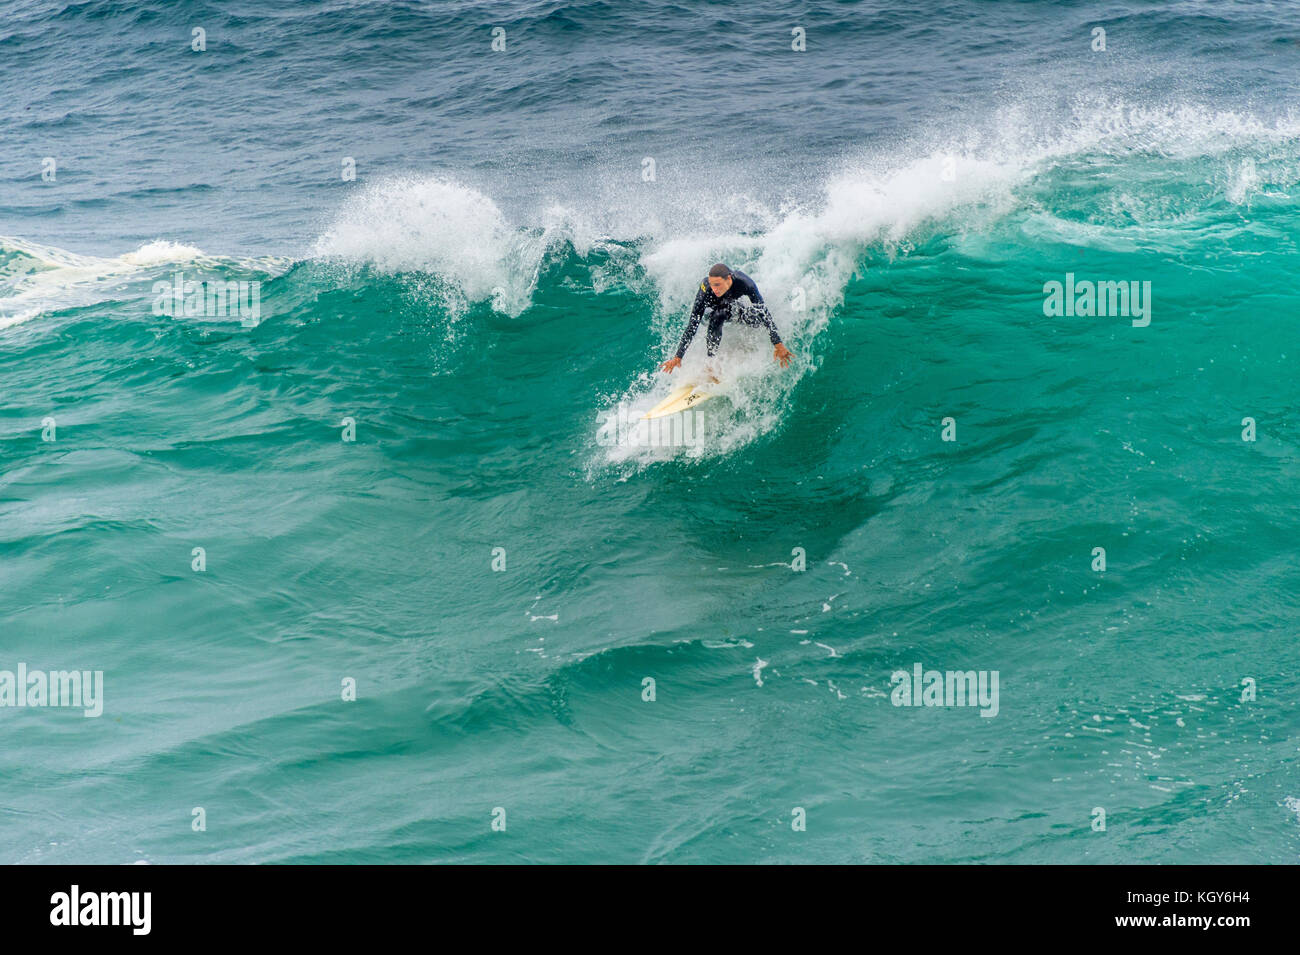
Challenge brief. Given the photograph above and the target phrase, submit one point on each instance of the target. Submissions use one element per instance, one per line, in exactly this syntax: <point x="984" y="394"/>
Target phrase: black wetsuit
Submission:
<point x="727" y="307"/>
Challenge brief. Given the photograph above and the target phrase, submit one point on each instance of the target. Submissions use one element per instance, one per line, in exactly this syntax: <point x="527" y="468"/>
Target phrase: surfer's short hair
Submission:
<point x="719" y="271"/>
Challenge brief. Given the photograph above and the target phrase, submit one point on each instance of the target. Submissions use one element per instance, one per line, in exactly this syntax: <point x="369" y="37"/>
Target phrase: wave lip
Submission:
<point x="437" y="227"/>
<point x="1164" y="167"/>
<point x="37" y="279"/>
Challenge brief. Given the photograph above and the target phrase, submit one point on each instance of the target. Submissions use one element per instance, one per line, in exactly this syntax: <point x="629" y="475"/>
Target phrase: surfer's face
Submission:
<point x="719" y="284"/>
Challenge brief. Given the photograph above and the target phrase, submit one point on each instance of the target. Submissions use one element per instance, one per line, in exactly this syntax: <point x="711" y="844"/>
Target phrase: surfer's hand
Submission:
<point x="782" y="354"/>
<point x="670" y="364"/>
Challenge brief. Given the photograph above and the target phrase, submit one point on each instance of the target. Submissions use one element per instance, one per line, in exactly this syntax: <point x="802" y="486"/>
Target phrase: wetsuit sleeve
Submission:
<point x="766" y="316"/>
<point x="761" y="312"/>
<point x="697" y="311"/>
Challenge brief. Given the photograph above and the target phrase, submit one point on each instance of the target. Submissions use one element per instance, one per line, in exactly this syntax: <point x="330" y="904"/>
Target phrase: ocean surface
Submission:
<point x="411" y="469"/>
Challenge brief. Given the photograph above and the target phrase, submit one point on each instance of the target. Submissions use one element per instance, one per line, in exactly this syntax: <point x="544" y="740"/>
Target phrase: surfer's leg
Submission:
<point x="713" y="336"/>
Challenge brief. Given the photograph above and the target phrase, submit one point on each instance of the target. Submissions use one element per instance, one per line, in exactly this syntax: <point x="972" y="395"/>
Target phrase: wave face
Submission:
<point x="422" y="466"/>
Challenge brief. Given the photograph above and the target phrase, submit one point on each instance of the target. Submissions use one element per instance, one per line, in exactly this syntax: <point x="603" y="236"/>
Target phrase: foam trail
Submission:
<point x="44" y="278"/>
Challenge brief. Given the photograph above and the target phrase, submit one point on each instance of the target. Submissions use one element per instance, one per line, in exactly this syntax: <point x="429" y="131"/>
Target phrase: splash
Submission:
<point x="1164" y="167"/>
<point x="162" y="252"/>
<point x="433" y="227"/>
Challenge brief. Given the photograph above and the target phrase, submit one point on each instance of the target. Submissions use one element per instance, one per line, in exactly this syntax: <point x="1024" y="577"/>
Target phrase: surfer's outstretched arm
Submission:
<point x="687" y="335"/>
<point x="697" y="312"/>
<point x="779" y="351"/>
<point x="759" y="313"/>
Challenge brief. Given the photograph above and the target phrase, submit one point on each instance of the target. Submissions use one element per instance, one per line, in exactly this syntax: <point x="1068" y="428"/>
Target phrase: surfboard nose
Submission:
<point x="684" y="397"/>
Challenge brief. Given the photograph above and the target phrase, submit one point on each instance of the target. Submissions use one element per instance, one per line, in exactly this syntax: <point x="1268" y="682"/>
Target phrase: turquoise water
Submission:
<point x="498" y="282"/>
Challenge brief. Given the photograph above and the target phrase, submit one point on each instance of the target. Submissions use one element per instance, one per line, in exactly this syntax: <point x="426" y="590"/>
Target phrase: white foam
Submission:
<point x="802" y="266"/>
<point x="62" y="279"/>
<point x="438" y="227"/>
<point x="962" y="183"/>
<point x="160" y="252"/>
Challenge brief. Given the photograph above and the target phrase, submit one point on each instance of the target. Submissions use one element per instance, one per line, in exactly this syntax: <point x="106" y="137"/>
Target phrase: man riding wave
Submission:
<point x="719" y="295"/>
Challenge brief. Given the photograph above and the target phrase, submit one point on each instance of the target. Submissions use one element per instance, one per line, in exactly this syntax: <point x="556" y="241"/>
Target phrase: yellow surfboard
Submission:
<point x="687" y="396"/>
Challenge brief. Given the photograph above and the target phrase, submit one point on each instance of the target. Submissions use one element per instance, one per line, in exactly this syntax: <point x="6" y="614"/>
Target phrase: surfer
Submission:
<point x="720" y="295"/>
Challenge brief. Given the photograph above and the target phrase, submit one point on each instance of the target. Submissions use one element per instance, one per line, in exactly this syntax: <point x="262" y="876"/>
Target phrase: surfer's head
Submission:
<point x="720" y="279"/>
